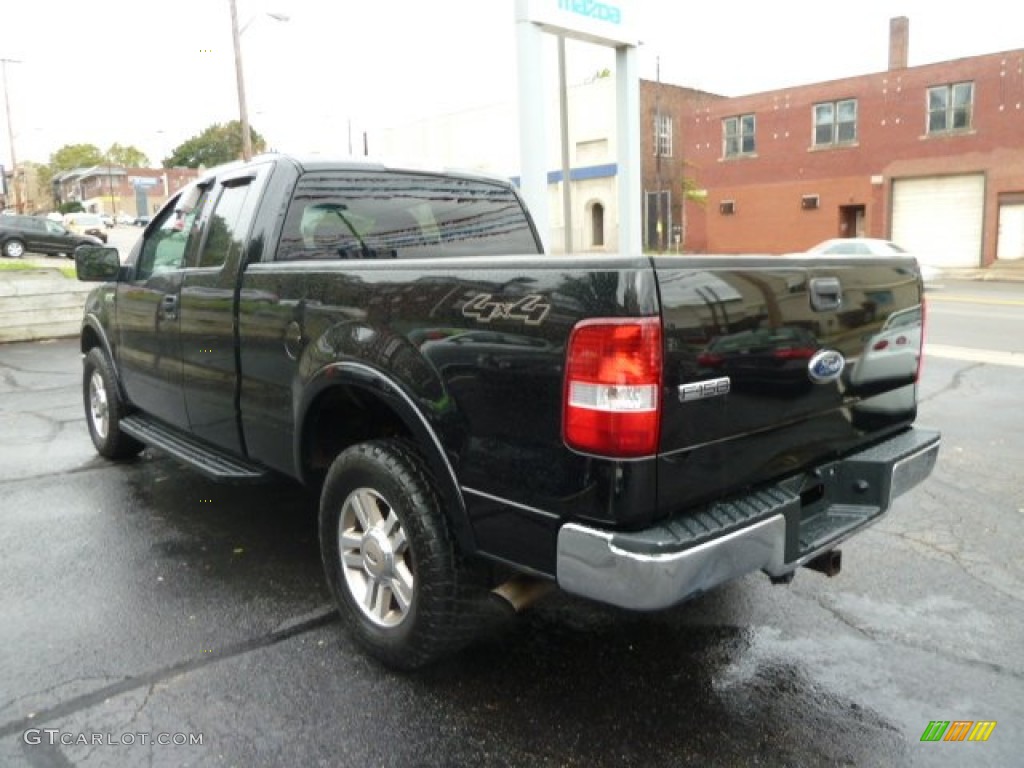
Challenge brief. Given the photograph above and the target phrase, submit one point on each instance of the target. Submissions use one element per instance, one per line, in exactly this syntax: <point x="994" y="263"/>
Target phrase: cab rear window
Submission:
<point x="381" y="215"/>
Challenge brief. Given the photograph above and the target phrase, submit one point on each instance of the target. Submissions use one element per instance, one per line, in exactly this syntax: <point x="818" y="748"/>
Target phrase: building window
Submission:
<point x="835" y="122"/>
<point x="662" y="136"/>
<point x="739" y="136"/>
<point x="950" y="107"/>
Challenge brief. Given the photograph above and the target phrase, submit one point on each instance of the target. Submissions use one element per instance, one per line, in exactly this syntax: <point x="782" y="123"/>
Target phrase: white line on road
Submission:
<point x="988" y="300"/>
<point x="969" y="354"/>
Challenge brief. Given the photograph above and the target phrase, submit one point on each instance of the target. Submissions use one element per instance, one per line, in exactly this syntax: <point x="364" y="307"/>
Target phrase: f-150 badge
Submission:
<point x="701" y="390"/>
<point x="484" y="308"/>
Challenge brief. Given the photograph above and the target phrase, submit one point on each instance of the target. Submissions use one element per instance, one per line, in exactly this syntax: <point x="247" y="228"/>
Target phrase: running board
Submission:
<point x="210" y="461"/>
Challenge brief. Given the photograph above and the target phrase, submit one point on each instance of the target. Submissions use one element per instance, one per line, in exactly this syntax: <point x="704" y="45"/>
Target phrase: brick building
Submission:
<point x="929" y="156"/>
<point x="113" y="189"/>
<point x="664" y="112"/>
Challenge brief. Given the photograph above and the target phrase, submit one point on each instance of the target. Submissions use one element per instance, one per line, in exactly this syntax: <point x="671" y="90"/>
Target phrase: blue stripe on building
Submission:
<point x="579" y="174"/>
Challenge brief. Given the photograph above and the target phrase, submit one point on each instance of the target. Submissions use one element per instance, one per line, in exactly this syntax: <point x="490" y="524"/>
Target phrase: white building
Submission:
<point x="487" y="140"/>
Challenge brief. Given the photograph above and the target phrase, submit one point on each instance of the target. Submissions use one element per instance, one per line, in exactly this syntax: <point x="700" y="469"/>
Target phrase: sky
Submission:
<point x="153" y="75"/>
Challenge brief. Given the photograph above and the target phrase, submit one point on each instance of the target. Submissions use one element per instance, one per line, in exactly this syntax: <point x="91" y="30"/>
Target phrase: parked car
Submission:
<point x="37" y="234"/>
<point x="869" y="246"/>
<point x="767" y="360"/>
<point x="141" y="221"/>
<point x="86" y="224"/>
<point x="107" y="219"/>
<point x="123" y="218"/>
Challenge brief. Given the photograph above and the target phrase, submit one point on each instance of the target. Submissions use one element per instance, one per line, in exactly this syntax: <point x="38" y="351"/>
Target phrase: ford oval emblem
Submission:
<point x="825" y="366"/>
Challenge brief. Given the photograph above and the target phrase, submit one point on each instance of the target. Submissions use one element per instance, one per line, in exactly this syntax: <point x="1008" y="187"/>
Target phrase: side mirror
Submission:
<point x="97" y="264"/>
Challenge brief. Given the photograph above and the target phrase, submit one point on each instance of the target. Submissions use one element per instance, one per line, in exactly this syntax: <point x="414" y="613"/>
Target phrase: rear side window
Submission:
<point x="379" y="215"/>
<point x="227" y="227"/>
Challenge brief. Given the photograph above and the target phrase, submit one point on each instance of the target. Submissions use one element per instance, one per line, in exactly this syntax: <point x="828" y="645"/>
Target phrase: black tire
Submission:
<point x="403" y="591"/>
<point x="104" y="409"/>
<point x="14" y="248"/>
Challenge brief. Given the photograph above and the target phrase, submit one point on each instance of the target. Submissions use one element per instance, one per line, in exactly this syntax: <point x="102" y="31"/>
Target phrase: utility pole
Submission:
<point x="563" y="110"/>
<point x="10" y="135"/>
<point x="657" y="157"/>
<point x="243" y="109"/>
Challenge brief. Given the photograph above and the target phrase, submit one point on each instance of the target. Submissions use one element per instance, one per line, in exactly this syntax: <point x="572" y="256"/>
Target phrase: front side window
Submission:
<point x="380" y="215"/>
<point x="663" y="136"/>
<point x="165" y="245"/>
<point x="739" y="136"/>
<point x="950" y="107"/>
<point x="835" y="122"/>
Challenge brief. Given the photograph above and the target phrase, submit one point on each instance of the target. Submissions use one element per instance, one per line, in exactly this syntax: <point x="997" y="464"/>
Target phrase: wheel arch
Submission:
<point x="93" y="335"/>
<point x="347" y="403"/>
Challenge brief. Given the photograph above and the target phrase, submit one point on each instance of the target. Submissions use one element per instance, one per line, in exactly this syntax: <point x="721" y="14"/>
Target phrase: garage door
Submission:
<point x="1011" y="232"/>
<point x="940" y="219"/>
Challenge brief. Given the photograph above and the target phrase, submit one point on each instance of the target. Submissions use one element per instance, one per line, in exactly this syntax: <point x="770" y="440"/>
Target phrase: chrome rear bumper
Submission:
<point x="654" y="569"/>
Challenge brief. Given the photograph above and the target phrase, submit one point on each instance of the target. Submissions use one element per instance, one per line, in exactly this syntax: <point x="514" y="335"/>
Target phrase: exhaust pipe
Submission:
<point x="828" y="563"/>
<point x="521" y="591"/>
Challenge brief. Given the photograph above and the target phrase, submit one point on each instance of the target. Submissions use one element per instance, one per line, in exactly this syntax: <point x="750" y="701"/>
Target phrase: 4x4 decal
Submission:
<point x="484" y="308"/>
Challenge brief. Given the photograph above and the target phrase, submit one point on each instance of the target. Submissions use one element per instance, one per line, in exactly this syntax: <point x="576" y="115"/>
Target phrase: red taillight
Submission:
<point x="612" y="387"/>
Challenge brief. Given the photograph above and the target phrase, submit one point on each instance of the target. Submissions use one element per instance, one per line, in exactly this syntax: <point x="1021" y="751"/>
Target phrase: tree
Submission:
<point x="692" y="193"/>
<point x="71" y="207"/>
<point x="75" y="156"/>
<point x="126" y="157"/>
<point x="72" y="156"/>
<point x="218" y="144"/>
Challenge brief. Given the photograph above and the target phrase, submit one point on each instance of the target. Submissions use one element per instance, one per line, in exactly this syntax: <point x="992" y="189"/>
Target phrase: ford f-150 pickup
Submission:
<point x="482" y="417"/>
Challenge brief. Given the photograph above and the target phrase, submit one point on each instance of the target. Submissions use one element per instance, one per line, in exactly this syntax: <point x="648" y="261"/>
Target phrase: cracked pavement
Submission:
<point x="130" y="607"/>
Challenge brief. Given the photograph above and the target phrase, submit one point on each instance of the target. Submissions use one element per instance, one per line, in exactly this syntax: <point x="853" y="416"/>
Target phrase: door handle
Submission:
<point x="169" y="306"/>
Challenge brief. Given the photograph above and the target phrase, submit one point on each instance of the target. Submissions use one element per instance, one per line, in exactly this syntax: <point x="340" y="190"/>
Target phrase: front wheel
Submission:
<point x="14" y="249"/>
<point x="104" y="409"/>
<point x="402" y="589"/>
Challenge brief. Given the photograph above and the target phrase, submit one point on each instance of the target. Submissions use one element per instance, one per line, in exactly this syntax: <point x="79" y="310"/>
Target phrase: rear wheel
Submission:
<point x="104" y="409"/>
<point x="402" y="588"/>
<point x="14" y="249"/>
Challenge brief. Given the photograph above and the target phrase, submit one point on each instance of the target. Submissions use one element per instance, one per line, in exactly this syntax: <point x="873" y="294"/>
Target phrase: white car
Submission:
<point x="869" y="246"/>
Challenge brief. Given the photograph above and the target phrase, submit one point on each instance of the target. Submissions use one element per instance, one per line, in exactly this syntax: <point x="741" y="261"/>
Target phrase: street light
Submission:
<point x="243" y="111"/>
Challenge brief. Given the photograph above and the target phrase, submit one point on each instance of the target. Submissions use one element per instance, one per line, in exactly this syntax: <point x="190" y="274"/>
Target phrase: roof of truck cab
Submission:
<point x="314" y="163"/>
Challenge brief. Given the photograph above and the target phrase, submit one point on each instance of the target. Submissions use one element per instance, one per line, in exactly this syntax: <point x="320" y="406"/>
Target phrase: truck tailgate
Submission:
<point x="774" y="364"/>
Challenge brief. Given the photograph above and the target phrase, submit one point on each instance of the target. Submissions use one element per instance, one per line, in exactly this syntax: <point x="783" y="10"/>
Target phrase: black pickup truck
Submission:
<point x="484" y="418"/>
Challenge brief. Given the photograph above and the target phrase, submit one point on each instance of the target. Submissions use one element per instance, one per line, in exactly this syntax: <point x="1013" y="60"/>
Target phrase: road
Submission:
<point x="140" y="599"/>
<point x="964" y="317"/>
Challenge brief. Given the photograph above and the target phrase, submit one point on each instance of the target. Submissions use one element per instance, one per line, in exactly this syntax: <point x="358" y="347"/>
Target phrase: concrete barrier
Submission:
<point x="40" y="304"/>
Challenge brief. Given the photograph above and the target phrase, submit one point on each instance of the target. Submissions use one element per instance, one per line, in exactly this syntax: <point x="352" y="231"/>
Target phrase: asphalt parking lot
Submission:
<point x="141" y="601"/>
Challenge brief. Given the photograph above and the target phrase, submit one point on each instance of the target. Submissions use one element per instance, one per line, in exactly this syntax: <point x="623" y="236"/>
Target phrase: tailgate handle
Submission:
<point x="826" y="293"/>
